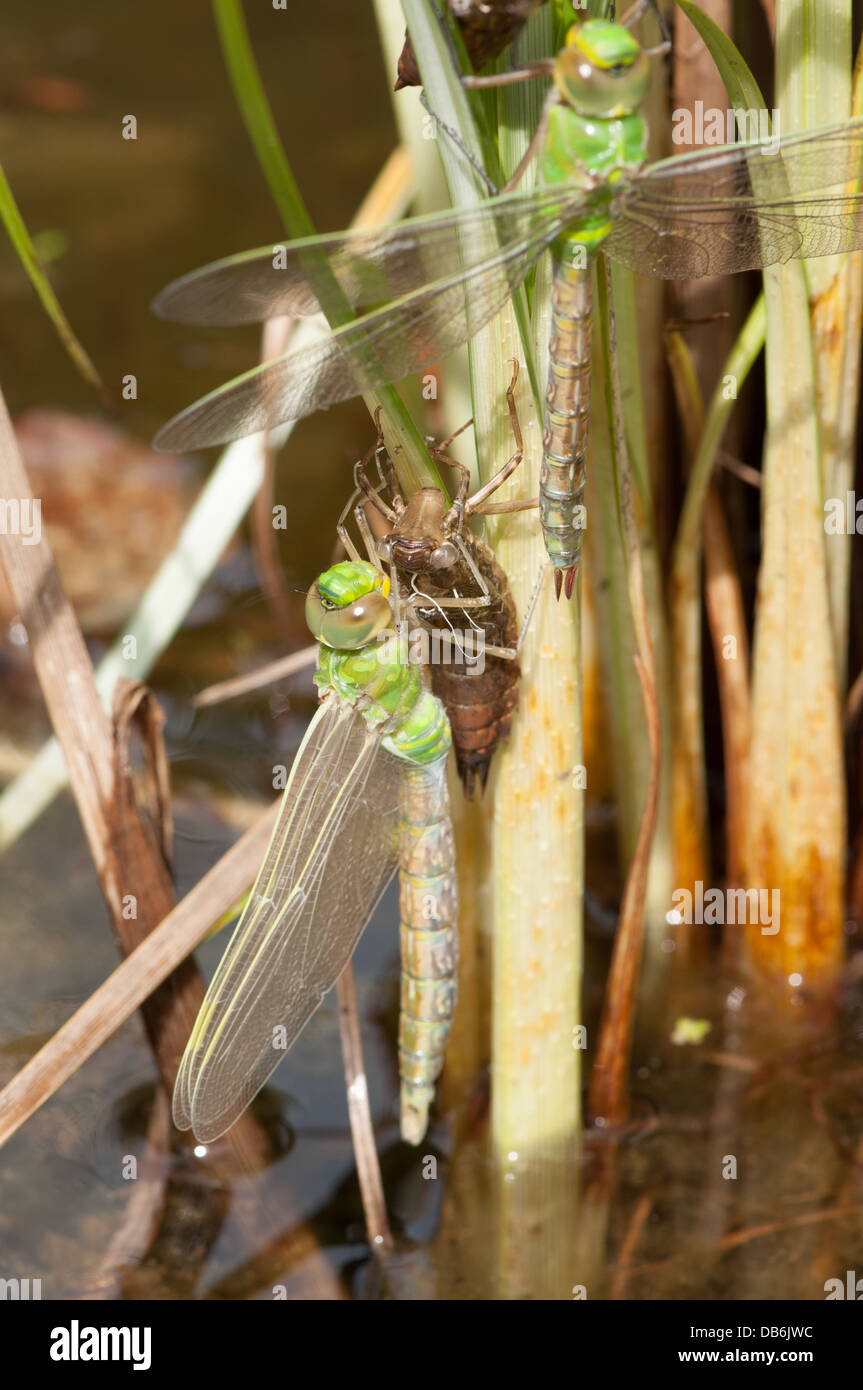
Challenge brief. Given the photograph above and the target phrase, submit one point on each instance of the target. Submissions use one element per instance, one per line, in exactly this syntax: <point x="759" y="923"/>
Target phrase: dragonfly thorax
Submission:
<point x="602" y="70"/>
<point x="420" y="540"/>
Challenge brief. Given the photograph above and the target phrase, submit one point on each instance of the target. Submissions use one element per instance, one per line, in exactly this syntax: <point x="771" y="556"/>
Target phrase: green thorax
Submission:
<point x="377" y="680"/>
<point x="602" y="148"/>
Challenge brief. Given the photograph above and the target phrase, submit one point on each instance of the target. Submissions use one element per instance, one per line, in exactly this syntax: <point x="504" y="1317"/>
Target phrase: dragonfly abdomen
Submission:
<point x="561" y="488"/>
<point x="481" y="700"/>
<point x="428" y="902"/>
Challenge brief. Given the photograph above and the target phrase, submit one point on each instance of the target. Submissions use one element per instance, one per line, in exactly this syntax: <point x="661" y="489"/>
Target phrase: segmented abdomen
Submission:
<point x="480" y="702"/>
<point x="561" y="487"/>
<point x="428" y="902"/>
<point x="419" y="736"/>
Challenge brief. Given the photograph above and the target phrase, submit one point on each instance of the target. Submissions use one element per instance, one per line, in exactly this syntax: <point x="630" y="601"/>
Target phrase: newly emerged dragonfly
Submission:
<point x="422" y="288"/>
<point x="367" y="795"/>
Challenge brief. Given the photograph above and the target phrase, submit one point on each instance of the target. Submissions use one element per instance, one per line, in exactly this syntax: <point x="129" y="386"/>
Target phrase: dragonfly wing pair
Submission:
<point x="425" y="286"/>
<point x="332" y="853"/>
<point x="743" y="207"/>
<point x="421" y="288"/>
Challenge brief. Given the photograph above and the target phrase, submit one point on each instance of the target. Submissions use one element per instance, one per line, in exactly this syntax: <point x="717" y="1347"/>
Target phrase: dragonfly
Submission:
<point x="366" y="796"/>
<point x="422" y="288"/>
<point x="446" y="575"/>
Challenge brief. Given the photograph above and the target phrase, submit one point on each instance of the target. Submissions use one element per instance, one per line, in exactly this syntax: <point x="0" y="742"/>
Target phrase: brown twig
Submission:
<point x="135" y="979"/>
<point x="62" y="666"/>
<point x="623" y="1270"/>
<point x="769" y="1228"/>
<point x="126" y="851"/>
<point x="362" y="1129"/>
<point x="608" y="1091"/>
<point x="264" y="675"/>
<point x="726" y="618"/>
<point x="753" y="477"/>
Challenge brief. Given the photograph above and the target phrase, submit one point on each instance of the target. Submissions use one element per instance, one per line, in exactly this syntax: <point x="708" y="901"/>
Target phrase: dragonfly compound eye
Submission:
<point x="602" y="71"/>
<point x="351" y="625"/>
<point x="444" y="556"/>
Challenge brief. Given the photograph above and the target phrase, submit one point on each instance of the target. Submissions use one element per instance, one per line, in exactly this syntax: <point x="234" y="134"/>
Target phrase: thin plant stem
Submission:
<point x="406" y="446"/>
<point x="27" y="254"/>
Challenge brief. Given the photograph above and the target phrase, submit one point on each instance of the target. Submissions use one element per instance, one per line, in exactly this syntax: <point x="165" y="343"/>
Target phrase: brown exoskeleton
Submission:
<point x="443" y="570"/>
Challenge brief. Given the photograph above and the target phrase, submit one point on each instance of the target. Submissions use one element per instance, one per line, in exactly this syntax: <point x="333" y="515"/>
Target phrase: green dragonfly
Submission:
<point x="367" y="794"/>
<point x="422" y="288"/>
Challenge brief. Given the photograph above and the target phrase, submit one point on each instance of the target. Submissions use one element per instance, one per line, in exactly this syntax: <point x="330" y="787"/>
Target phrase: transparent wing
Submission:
<point x="741" y="207"/>
<point x="332" y="853"/>
<point x="437" y="281"/>
<point x="371" y="266"/>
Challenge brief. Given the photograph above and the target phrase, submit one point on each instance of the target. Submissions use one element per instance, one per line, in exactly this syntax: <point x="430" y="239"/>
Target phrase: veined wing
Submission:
<point x="332" y="853"/>
<point x="371" y="266"/>
<point x="741" y="207"/>
<point x="450" y="274"/>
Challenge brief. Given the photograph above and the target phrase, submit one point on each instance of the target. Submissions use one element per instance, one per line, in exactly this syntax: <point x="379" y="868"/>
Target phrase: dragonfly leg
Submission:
<point x="441" y="448"/>
<point x="536" y="142"/>
<point x="435" y="601"/>
<point x="392" y="482"/>
<point x="455" y="515"/>
<point x="362" y="482"/>
<point x="518" y="504"/>
<point x="543" y="67"/>
<point x="365" y="531"/>
<point x="634" y="14"/>
<point x="511" y="653"/>
<point x="342" y="530"/>
<point x="480" y="600"/>
<point x="364" y="486"/>
<point x="474" y="503"/>
<point x="459" y="143"/>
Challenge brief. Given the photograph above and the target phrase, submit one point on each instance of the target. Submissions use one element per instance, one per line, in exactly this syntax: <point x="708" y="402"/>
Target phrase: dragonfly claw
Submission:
<point x="558" y="583"/>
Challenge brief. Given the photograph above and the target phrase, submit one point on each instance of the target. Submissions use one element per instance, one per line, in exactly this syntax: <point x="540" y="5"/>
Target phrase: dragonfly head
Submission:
<point x="347" y="606"/>
<point x="602" y="70"/>
<point x="419" y="541"/>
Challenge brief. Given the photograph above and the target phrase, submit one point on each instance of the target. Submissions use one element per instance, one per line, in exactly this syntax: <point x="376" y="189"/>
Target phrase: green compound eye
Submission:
<point x="602" y="80"/>
<point x="352" y="626"/>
